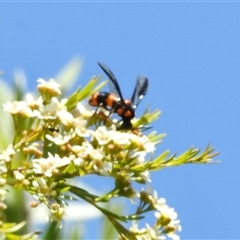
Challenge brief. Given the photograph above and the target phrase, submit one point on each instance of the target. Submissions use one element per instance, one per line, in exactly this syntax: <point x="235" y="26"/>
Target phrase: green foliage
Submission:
<point x="56" y="139"/>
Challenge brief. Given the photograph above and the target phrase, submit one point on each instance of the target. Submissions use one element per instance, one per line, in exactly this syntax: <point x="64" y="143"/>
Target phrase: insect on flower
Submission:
<point x="113" y="101"/>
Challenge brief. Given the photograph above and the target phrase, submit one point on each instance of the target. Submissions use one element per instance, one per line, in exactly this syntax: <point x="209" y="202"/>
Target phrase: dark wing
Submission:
<point x="113" y="84"/>
<point x="139" y="91"/>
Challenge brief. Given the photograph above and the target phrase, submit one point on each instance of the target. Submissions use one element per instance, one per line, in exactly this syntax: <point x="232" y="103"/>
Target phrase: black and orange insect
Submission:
<point x="113" y="101"/>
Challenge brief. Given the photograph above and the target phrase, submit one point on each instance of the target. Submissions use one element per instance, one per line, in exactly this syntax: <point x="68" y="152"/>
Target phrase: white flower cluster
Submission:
<point x="166" y="224"/>
<point x="92" y="151"/>
<point x="56" y="142"/>
<point x="63" y="138"/>
<point x="50" y="165"/>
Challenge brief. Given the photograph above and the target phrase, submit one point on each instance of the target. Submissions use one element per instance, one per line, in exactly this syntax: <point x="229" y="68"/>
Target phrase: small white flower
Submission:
<point x="168" y="213"/>
<point x="82" y="150"/>
<point x="57" y="212"/>
<point x="140" y="157"/>
<point x="78" y="161"/>
<point x="145" y="176"/>
<point x="51" y="110"/>
<point x="19" y="176"/>
<point x="154" y="233"/>
<point x="19" y="108"/>
<point x="80" y="127"/>
<point x="158" y="203"/>
<point x="83" y="111"/>
<point x="103" y="135"/>
<point x="8" y="154"/>
<point x="147" y="233"/>
<point x="149" y="147"/>
<point x="121" y="138"/>
<point x="134" y="227"/>
<point x="14" y="107"/>
<point x="46" y="166"/>
<point x="99" y="165"/>
<point x="65" y="117"/>
<point x="106" y="168"/>
<point x="142" y="142"/>
<point x="97" y="154"/>
<point x="32" y="103"/>
<point x="169" y="220"/>
<point x="58" y="138"/>
<point x="49" y="86"/>
<point x="43" y="188"/>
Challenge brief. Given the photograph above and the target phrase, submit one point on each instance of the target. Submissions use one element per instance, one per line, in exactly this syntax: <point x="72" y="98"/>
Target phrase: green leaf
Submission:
<point x="53" y="231"/>
<point x="12" y="227"/>
<point x="156" y="139"/>
<point x="83" y="93"/>
<point x="69" y="73"/>
<point x="161" y="160"/>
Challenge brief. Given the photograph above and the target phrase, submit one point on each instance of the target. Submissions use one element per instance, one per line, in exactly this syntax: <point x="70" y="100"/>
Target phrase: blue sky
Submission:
<point x="190" y="53"/>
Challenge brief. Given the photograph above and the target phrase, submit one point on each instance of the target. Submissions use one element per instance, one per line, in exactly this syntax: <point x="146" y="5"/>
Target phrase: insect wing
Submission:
<point x="113" y="84"/>
<point x="113" y="89"/>
<point x="139" y="91"/>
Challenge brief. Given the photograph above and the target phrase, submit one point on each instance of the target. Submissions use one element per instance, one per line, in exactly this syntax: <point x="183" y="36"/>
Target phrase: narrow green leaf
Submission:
<point x="12" y="227"/>
<point x="69" y="73"/>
